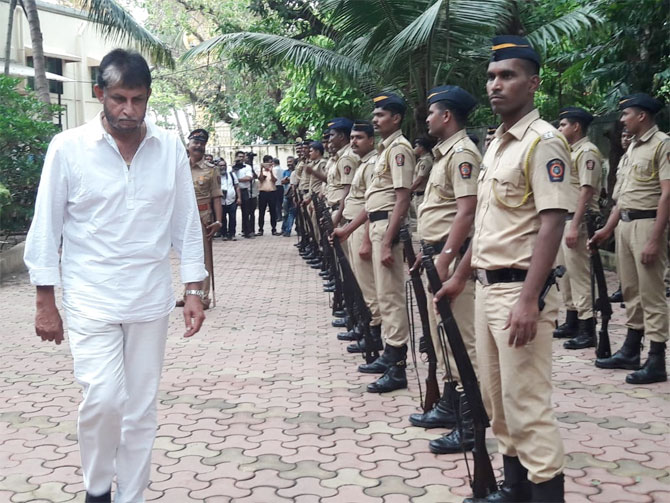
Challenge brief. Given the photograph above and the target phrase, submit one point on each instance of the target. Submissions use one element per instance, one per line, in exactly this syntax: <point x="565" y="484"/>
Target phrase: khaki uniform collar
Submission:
<point x="341" y="152"/>
<point x="579" y="144"/>
<point x="519" y="129"/>
<point x="389" y="140"/>
<point x="647" y="136"/>
<point x="442" y="148"/>
<point x="367" y="156"/>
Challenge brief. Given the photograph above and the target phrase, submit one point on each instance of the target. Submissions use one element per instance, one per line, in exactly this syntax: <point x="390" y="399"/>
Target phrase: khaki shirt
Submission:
<point x="620" y="170"/>
<point x="586" y="170"/>
<point x="315" y="184"/>
<point x="648" y="162"/>
<point x="505" y="226"/>
<point x="394" y="169"/>
<point x="303" y="186"/>
<point x="294" y="179"/>
<point x="355" y="201"/>
<point x="454" y="175"/>
<point x="340" y="174"/>
<point x="206" y="182"/>
<point x="423" y="168"/>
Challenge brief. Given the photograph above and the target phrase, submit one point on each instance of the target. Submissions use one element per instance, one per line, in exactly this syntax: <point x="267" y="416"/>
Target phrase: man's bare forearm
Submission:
<point x="585" y="196"/>
<point x="398" y="214"/>
<point x="662" y="213"/>
<point x="45" y="296"/>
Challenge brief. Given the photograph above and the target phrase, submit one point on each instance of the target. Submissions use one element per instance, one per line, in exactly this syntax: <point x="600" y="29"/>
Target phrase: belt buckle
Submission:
<point x="625" y="216"/>
<point x="482" y="278"/>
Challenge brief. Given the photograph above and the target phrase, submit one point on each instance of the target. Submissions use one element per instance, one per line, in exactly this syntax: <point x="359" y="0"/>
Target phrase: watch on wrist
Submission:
<point x="199" y="293"/>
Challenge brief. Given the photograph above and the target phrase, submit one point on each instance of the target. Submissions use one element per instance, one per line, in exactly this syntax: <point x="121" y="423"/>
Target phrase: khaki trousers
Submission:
<point x="463" y="308"/>
<point x="315" y="223"/>
<point x="390" y="285"/>
<point x="577" y="288"/>
<point x="516" y="382"/>
<point x="205" y="219"/>
<point x="642" y="285"/>
<point x="364" y="274"/>
<point x="413" y="212"/>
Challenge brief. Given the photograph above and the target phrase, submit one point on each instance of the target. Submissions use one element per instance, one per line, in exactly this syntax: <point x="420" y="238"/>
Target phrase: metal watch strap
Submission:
<point x="199" y="293"/>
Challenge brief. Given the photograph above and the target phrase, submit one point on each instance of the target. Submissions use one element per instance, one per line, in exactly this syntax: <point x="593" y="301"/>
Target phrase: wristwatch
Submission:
<point x="199" y="293"/>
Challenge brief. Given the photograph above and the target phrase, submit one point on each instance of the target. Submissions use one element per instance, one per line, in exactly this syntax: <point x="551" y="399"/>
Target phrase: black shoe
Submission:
<point x="567" y="329"/>
<point x="443" y="413"/>
<point x="454" y="442"/>
<point x="551" y="491"/>
<point x="349" y="336"/>
<point x="356" y="347"/>
<point x="340" y="313"/>
<point x="393" y="379"/>
<point x="586" y="336"/>
<point x="232" y="238"/>
<point x="324" y="274"/>
<point x="329" y="289"/>
<point x="275" y="233"/>
<point x="315" y="260"/>
<point x="653" y="369"/>
<point x="317" y="265"/>
<point x="259" y="233"/>
<point x="628" y="357"/>
<point x="616" y="296"/>
<point x="328" y="284"/>
<point x="516" y="488"/>
<point x="339" y="322"/>
<point x="103" y="498"/>
<point x="382" y="363"/>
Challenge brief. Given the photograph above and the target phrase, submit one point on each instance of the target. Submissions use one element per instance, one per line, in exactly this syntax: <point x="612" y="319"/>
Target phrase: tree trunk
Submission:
<point x="39" y="63"/>
<point x="179" y="128"/>
<point x="10" y="26"/>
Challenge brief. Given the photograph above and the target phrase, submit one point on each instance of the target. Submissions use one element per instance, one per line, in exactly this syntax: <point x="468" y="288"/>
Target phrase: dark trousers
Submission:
<point x="289" y="216"/>
<point x="267" y="200"/>
<point x="229" y="220"/>
<point x="248" y="208"/>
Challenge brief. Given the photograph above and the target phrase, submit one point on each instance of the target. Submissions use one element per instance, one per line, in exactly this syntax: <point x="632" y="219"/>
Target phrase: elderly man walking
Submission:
<point x="118" y="192"/>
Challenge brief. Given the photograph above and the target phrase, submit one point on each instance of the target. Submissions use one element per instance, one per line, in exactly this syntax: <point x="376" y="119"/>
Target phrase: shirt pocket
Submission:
<point x="508" y="185"/>
<point x="643" y="170"/>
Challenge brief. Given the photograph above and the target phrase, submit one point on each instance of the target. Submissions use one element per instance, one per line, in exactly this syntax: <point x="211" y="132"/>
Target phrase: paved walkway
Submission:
<point x="264" y="405"/>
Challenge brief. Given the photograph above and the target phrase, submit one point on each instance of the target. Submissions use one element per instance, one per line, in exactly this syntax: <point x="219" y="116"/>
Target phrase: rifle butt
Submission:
<point x="604" y="349"/>
<point x="483" y="478"/>
<point x="432" y="394"/>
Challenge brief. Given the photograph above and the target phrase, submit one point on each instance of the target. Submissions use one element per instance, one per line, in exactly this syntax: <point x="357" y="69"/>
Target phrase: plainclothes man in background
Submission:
<point x="232" y="198"/>
<point x="118" y="223"/>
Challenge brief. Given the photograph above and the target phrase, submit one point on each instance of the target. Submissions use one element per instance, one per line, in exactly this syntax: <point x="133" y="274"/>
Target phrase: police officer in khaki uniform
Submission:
<point x="316" y="171"/>
<point x="585" y="180"/>
<point x="640" y="218"/>
<point x="387" y="201"/>
<point x="362" y="142"/>
<point x="207" y="185"/>
<point x="424" y="163"/>
<point x="522" y="201"/>
<point x="445" y="222"/>
<point x="342" y="170"/>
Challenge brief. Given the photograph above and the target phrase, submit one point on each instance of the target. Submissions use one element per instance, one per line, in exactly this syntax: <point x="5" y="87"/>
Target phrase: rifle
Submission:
<point x="602" y="302"/>
<point x="426" y="341"/>
<point x="556" y="272"/>
<point x="355" y="304"/>
<point x="326" y="225"/>
<point x="483" y="480"/>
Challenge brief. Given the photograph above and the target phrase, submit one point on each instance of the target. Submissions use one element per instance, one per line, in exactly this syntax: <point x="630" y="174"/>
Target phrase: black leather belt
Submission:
<point x="305" y="191"/>
<point x="508" y="275"/>
<point x="630" y="215"/>
<point x="335" y="207"/>
<point x="569" y="217"/>
<point x="420" y="193"/>
<point x="375" y="216"/>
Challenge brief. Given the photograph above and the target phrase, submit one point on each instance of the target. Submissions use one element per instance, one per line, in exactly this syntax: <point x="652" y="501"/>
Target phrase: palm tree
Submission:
<point x="403" y="45"/>
<point x="113" y="22"/>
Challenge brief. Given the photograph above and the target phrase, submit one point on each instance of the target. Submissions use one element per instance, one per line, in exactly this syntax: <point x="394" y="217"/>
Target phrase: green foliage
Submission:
<point x="25" y="131"/>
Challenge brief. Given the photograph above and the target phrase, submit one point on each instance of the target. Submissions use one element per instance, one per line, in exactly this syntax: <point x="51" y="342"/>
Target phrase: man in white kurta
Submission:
<point x="118" y="192"/>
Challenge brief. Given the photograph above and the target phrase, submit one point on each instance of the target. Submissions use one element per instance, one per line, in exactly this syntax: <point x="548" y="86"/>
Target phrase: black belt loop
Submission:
<point x="335" y="207"/>
<point x="507" y="275"/>
<point x="375" y="216"/>
<point x="630" y="215"/>
<point x="569" y="217"/>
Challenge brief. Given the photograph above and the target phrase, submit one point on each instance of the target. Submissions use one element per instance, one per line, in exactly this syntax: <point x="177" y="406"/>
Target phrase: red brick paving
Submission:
<point x="264" y="405"/>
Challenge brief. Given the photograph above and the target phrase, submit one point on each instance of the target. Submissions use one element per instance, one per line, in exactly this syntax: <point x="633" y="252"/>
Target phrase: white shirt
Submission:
<point x="278" y="171"/>
<point x="228" y="183"/>
<point x="117" y="223"/>
<point x="243" y="173"/>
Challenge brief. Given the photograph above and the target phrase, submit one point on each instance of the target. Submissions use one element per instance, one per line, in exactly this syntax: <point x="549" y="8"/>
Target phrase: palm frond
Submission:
<point x="116" y="22"/>
<point x="571" y="24"/>
<point x="278" y="49"/>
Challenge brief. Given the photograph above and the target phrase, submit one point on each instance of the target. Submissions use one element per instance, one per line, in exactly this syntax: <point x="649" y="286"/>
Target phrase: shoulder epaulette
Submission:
<point x="548" y="135"/>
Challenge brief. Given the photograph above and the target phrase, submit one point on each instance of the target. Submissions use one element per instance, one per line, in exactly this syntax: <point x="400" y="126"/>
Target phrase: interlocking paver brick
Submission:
<point x="266" y="406"/>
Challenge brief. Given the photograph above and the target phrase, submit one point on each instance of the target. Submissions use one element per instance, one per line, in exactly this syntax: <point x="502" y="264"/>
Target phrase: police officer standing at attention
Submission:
<point x="387" y="201"/>
<point x="641" y="220"/>
<point x="585" y="179"/>
<point x="207" y="185"/>
<point x="521" y="206"/>
<point x="445" y="222"/>
<point x="424" y="163"/>
<point x="341" y="173"/>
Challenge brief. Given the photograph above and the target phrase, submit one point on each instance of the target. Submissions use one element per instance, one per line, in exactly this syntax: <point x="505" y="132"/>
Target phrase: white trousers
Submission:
<point x="119" y="368"/>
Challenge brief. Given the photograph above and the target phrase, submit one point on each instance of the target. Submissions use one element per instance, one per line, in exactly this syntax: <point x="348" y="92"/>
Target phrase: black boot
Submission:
<point x="352" y="335"/>
<point x="653" y="369"/>
<point x="443" y="413"/>
<point x="329" y="289"/>
<point x="551" y="491"/>
<point x="516" y="488"/>
<point x="357" y="347"/>
<point x="395" y="376"/>
<point x="586" y="335"/>
<point x="567" y="329"/>
<point x="381" y="364"/>
<point x="103" y="498"/>
<point x="628" y="357"/>
<point x="339" y="313"/>
<point x="339" y="322"/>
<point x="462" y="437"/>
<point x="617" y="296"/>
